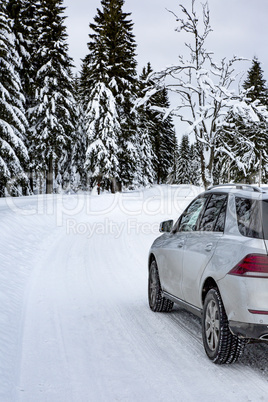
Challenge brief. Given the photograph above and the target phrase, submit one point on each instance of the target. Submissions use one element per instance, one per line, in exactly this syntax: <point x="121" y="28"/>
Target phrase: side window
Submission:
<point x="219" y="227"/>
<point x="265" y="218"/>
<point x="249" y="217"/>
<point x="189" y="218"/>
<point x="212" y="214"/>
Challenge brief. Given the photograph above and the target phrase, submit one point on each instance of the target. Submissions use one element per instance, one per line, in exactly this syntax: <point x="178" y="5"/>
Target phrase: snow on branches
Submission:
<point x="204" y="90"/>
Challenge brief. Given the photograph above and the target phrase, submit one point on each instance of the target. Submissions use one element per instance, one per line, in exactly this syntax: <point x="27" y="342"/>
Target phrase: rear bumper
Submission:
<point x="250" y="331"/>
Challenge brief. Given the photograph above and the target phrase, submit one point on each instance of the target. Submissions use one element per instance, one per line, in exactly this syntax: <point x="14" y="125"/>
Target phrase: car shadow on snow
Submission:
<point x="255" y="354"/>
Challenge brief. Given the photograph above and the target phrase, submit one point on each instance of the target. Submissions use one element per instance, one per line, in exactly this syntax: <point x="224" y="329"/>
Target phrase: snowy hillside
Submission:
<point x="75" y="324"/>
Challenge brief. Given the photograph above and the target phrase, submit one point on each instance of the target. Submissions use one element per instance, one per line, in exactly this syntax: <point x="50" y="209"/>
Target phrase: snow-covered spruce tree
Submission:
<point x="243" y="139"/>
<point x="13" y="153"/>
<point x="257" y="92"/>
<point x="188" y="166"/>
<point x="102" y="153"/>
<point x="160" y="129"/>
<point x="243" y="147"/>
<point x="184" y="169"/>
<point x="145" y="168"/>
<point x="195" y="164"/>
<point x="145" y="128"/>
<point x="23" y="14"/>
<point x="163" y="137"/>
<point x="255" y="84"/>
<point x="78" y="173"/>
<point x="203" y="88"/>
<point x="51" y="116"/>
<point x="101" y="124"/>
<point x="108" y="82"/>
<point x="172" y="174"/>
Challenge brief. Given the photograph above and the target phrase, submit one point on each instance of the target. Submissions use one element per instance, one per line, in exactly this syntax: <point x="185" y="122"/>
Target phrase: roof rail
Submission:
<point x="240" y="186"/>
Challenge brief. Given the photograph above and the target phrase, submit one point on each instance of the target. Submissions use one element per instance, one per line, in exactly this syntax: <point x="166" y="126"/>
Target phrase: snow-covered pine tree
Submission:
<point x="160" y="129"/>
<point x="195" y="164"/>
<point x="243" y="144"/>
<point x="163" y="137"/>
<point x="13" y="152"/>
<point x="244" y="139"/>
<point x="145" y="169"/>
<point x="51" y="116"/>
<point x="108" y="81"/>
<point x="184" y="167"/>
<point x="257" y="92"/>
<point x="23" y="14"/>
<point x="172" y="175"/>
<point x="100" y="119"/>
<point x="78" y="173"/>
<point x="255" y="84"/>
<point x="145" y="124"/>
<point x="102" y="129"/>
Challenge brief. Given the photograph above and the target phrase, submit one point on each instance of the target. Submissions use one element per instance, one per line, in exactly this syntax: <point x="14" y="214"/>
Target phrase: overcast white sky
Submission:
<point x="240" y="27"/>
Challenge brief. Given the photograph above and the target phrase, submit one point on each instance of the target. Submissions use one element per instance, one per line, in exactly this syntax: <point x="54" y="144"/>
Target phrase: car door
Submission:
<point x="173" y="248"/>
<point x="200" y="246"/>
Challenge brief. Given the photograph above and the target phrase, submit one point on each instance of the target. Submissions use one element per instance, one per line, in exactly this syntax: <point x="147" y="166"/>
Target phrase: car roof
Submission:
<point x="247" y="190"/>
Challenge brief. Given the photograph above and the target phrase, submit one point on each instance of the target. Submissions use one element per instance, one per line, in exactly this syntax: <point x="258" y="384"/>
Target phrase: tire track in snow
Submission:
<point x="44" y="368"/>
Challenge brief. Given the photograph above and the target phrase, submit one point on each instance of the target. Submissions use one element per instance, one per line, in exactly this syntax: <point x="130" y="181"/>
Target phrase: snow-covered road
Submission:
<point x="75" y="325"/>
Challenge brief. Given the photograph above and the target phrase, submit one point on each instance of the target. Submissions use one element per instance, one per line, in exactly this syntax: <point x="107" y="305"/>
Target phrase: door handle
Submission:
<point x="209" y="247"/>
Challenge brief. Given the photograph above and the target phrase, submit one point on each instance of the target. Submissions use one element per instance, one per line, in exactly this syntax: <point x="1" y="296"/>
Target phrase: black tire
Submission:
<point x="220" y="344"/>
<point x="157" y="302"/>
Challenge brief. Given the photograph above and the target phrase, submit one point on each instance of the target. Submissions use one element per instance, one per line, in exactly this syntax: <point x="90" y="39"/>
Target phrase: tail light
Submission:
<point x="258" y="312"/>
<point x="253" y="265"/>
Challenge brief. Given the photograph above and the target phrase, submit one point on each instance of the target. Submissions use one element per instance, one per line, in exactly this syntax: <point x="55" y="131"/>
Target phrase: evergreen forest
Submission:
<point x="109" y="127"/>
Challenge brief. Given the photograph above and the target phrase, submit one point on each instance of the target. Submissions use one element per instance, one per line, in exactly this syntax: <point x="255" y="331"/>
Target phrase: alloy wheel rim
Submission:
<point x="212" y="325"/>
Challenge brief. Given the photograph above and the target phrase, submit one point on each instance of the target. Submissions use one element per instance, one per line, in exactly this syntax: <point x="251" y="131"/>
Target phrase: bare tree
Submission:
<point x="203" y="88"/>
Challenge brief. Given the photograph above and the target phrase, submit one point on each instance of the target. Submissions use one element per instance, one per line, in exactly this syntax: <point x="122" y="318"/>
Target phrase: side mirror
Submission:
<point x="166" y="226"/>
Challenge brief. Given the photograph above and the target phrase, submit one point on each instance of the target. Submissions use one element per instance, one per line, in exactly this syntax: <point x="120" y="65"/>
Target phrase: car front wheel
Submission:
<point x="220" y="344"/>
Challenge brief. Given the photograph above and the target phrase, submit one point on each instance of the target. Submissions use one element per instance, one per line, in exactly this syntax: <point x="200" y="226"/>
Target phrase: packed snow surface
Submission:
<point x="75" y="323"/>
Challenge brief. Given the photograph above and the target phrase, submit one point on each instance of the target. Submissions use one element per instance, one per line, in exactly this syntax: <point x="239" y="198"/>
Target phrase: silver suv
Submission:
<point x="213" y="262"/>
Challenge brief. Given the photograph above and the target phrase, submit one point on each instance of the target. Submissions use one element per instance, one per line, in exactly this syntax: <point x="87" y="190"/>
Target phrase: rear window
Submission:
<point x="250" y="217"/>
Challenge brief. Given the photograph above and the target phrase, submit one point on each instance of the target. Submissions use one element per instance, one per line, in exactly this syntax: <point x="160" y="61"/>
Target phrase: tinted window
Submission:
<point x="265" y="218"/>
<point x="212" y="212"/>
<point x="219" y="227"/>
<point x="249" y="217"/>
<point x="189" y="218"/>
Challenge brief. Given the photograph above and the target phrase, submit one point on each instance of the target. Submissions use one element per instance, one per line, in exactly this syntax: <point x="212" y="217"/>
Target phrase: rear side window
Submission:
<point x="265" y="218"/>
<point x="214" y="215"/>
<point x="219" y="227"/>
<point x="249" y="217"/>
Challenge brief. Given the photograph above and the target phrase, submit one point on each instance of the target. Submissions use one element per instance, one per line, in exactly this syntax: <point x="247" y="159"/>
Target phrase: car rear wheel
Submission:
<point x="156" y="301"/>
<point x="220" y="344"/>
